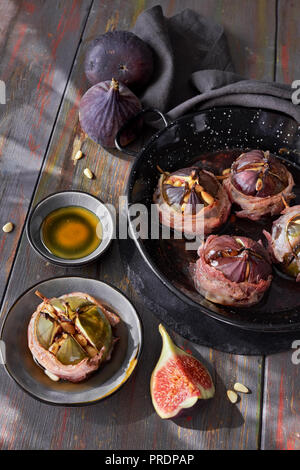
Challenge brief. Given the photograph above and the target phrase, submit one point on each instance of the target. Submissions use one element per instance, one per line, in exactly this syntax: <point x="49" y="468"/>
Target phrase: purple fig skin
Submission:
<point x="119" y="54"/>
<point x="231" y="255"/>
<point x="273" y="174"/>
<point x="103" y="110"/>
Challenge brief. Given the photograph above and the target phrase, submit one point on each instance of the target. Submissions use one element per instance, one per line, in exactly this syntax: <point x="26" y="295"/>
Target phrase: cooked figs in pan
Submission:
<point x="232" y="270"/>
<point x="284" y="241"/>
<point x="71" y="336"/>
<point x="192" y="201"/>
<point x="259" y="184"/>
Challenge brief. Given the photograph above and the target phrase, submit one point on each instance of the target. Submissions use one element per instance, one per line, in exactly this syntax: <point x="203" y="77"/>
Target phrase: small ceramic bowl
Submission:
<point x="64" y="199"/>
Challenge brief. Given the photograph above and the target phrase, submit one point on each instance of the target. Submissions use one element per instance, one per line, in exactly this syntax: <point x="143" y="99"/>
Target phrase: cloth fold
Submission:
<point x="193" y="68"/>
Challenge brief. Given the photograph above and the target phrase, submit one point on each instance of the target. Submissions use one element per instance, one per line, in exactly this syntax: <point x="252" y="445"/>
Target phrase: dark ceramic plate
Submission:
<point x="107" y="380"/>
<point x="212" y="139"/>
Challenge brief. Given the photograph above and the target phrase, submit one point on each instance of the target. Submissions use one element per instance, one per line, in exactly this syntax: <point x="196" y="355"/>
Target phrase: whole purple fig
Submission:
<point x="119" y="54"/>
<point x="103" y="110"/>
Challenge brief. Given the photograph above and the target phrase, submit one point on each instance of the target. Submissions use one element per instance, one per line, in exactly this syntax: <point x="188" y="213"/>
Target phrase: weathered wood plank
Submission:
<point x="281" y="407"/>
<point x="38" y="41"/>
<point x="288" y="37"/>
<point x="127" y="420"/>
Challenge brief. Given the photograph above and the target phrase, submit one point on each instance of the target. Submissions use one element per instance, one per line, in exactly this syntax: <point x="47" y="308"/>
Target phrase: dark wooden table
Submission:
<point x="42" y="44"/>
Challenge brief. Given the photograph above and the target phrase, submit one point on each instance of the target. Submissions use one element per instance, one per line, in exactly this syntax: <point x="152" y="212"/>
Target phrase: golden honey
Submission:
<point x="71" y="232"/>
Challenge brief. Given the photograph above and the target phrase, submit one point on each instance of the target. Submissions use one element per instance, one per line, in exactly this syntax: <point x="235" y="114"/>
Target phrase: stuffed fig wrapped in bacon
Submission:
<point x="260" y="184"/>
<point x="71" y="336"/>
<point x="191" y="200"/>
<point x="232" y="270"/>
<point x="284" y="241"/>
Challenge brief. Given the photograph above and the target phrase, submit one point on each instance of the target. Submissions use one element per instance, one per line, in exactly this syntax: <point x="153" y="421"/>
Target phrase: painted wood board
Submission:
<point x="38" y="42"/>
<point x="281" y="406"/>
<point x="127" y="420"/>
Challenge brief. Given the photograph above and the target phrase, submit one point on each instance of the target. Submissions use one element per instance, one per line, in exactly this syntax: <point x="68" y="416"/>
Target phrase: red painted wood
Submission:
<point x="38" y="42"/>
<point x="281" y="416"/>
<point x="126" y="420"/>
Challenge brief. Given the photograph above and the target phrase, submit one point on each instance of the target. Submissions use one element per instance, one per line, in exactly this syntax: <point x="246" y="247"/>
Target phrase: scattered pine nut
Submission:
<point x="238" y="387"/>
<point x="232" y="396"/>
<point x="51" y="376"/>
<point x="8" y="227"/>
<point x="207" y="198"/>
<point x="78" y="155"/>
<point x="87" y="172"/>
<point x="226" y="171"/>
<point x="259" y="184"/>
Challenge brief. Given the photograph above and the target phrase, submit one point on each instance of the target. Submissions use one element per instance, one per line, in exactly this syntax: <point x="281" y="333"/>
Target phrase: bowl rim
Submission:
<point x="280" y="328"/>
<point x="137" y="357"/>
<point x="63" y="261"/>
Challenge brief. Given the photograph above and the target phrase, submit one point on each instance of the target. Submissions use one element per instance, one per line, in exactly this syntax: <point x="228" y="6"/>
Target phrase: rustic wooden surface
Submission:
<point x="43" y="47"/>
<point x="281" y="427"/>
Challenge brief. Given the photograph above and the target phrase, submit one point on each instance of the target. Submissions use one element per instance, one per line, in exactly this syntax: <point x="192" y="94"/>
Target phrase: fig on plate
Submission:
<point x="119" y="54"/>
<point x="178" y="381"/>
<point x="104" y="109"/>
<point x="71" y="336"/>
<point x="284" y="241"/>
<point x="259" y="183"/>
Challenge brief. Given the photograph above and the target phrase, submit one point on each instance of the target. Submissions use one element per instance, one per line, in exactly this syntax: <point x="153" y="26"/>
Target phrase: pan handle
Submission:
<point x="127" y="123"/>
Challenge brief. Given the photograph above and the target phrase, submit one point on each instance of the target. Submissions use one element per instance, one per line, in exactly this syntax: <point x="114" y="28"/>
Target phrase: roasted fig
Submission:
<point x="178" y="381"/>
<point x="232" y="270"/>
<point x="192" y="201"/>
<point x="104" y="109"/>
<point x="284" y="241"/>
<point x="259" y="183"/>
<point x="71" y="336"/>
<point x="119" y="54"/>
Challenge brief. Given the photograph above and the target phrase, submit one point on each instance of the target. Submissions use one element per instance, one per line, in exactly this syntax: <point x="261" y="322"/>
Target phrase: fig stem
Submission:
<point x="284" y="201"/>
<point x="168" y="344"/>
<point x="114" y="84"/>
<point x="222" y="177"/>
<point x="162" y="171"/>
<point x="41" y="296"/>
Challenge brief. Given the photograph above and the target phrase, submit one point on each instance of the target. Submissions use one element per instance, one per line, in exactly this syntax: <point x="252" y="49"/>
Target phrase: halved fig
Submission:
<point x="178" y="381"/>
<point x="259" y="183"/>
<point x="191" y="201"/>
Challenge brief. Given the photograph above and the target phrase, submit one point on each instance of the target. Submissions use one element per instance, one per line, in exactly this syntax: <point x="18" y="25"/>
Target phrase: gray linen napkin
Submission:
<point x="193" y="68"/>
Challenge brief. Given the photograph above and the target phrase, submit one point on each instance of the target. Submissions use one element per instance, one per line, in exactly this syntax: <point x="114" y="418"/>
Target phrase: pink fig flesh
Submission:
<point x="178" y="381"/>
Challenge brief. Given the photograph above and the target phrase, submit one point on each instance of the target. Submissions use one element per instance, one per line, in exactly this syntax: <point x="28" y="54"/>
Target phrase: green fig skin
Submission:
<point x="178" y="381"/>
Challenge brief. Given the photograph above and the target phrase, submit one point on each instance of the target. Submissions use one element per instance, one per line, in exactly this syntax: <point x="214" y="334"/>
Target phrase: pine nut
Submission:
<point x="232" y="396"/>
<point x="238" y="387"/>
<point x="87" y="172"/>
<point x="8" y="227"/>
<point x="78" y="155"/>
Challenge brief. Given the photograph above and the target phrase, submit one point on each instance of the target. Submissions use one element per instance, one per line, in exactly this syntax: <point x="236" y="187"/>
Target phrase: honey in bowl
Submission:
<point x="71" y="232"/>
